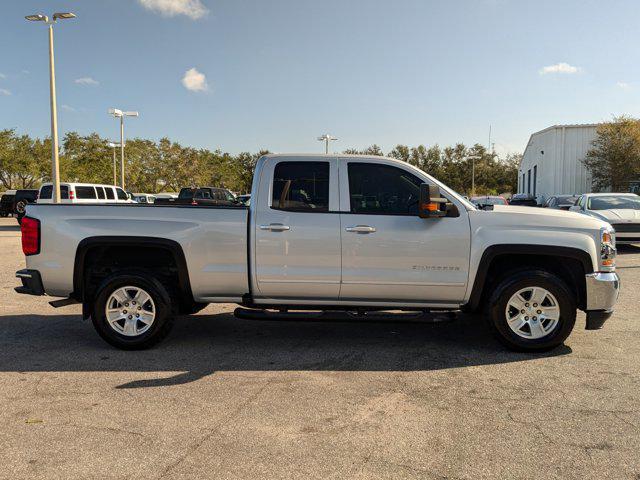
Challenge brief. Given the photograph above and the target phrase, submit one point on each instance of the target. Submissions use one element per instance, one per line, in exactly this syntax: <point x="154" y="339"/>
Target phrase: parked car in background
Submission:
<point x="244" y="199"/>
<point x="21" y="200"/>
<point x="6" y="203"/>
<point x="84" y="193"/>
<point x="214" y="196"/>
<point x="524" y="200"/>
<point x="561" y="202"/>
<point x="488" y="201"/>
<point x="143" y="198"/>
<point x="621" y="210"/>
<point x="165" y="196"/>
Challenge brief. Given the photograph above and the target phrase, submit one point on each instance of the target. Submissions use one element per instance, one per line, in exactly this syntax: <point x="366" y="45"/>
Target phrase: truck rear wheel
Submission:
<point x="132" y="311"/>
<point x="532" y="310"/>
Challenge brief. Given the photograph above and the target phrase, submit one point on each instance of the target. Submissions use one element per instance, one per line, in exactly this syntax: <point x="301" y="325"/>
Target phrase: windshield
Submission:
<point x="567" y="199"/>
<point x="626" y="202"/>
<point x="186" y="193"/>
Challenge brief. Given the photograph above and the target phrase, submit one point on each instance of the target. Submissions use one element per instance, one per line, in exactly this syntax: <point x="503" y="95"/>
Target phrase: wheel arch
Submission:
<point x="557" y="259"/>
<point x="92" y="244"/>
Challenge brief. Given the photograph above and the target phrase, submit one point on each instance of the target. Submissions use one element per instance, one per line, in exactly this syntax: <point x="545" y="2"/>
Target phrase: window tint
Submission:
<point x="46" y="192"/>
<point x="121" y="194"/>
<point x="100" y="191"/>
<point x="109" y="192"/>
<point x="85" y="192"/>
<point x="301" y="186"/>
<point x="186" y="193"/>
<point x="383" y="189"/>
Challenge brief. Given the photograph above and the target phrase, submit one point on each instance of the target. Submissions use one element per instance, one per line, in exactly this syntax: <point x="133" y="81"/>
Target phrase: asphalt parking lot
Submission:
<point x="228" y="398"/>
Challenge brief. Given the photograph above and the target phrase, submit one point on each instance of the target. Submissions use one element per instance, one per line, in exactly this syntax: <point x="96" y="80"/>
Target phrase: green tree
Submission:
<point x="614" y="158"/>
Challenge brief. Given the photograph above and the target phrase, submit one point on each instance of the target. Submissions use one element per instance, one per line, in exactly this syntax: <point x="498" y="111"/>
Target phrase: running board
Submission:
<point x="63" y="302"/>
<point x="346" y="316"/>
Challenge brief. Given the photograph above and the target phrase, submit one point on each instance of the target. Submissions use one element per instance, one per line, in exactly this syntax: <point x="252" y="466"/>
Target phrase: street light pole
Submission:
<point x="55" y="161"/>
<point x="326" y="138"/>
<point x="473" y="159"/>
<point x="119" y="113"/>
<point x="115" y="170"/>
<point x="122" y="151"/>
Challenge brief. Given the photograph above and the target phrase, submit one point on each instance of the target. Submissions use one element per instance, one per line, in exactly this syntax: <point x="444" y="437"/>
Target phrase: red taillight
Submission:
<point x="72" y="194"/>
<point x="30" y="228"/>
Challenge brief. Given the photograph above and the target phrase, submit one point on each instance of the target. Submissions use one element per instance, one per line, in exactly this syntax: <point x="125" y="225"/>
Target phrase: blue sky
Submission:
<point x="278" y="73"/>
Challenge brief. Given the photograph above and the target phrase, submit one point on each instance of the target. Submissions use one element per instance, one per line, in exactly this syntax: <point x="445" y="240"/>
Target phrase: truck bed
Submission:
<point x="213" y="240"/>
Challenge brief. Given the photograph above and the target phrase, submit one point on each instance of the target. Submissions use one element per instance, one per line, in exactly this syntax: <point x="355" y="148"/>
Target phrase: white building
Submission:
<point x="552" y="162"/>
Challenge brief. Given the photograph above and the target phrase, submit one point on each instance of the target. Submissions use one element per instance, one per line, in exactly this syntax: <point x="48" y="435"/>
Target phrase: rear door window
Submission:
<point x="109" y="192"/>
<point x="101" y="194"/>
<point x="85" y="193"/>
<point x="301" y="186"/>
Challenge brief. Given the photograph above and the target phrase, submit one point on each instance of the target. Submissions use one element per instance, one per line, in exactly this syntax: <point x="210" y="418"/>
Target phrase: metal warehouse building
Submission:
<point x="552" y="162"/>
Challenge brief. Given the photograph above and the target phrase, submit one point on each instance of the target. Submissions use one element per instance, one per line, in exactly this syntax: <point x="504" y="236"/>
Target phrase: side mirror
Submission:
<point x="575" y="208"/>
<point x="431" y="204"/>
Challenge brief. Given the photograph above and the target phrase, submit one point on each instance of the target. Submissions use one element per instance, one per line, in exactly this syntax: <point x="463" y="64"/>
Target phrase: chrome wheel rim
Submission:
<point x="532" y="313"/>
<point x="130" y="311"/>
<point x="21" y="207"/>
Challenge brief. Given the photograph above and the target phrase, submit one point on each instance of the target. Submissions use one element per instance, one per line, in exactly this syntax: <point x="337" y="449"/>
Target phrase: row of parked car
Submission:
<point x="14" y="202"/>
<point x="621" y="210"/>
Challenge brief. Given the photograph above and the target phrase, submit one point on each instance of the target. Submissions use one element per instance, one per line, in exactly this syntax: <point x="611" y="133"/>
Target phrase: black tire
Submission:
<point x="164" y="315"/>
<point x="531" y="278"/>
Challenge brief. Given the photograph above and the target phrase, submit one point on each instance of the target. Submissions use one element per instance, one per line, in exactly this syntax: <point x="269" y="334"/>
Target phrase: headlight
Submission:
<point x="608" y="248"/>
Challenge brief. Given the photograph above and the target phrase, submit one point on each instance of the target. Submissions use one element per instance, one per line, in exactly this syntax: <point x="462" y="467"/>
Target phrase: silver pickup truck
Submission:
<point x="325" y="233"/>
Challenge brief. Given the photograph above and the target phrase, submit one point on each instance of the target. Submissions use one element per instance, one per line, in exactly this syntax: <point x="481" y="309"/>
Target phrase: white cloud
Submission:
<point x="86" y="81"/>
<point x="623" y="85"/>
<point x="561" y="67"/>
<point x="67" y="108"/>
<point x="194" y="9"/>
<point x="5" y="92"/>
<point x="195" y="81"/>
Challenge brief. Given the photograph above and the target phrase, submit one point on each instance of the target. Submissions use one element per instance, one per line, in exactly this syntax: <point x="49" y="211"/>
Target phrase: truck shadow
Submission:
<point x="203" y="344"/>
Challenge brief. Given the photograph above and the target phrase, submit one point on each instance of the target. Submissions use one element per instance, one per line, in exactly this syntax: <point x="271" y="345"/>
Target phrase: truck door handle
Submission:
<point x="275" y="227"/>
<point x="361" y="229"/>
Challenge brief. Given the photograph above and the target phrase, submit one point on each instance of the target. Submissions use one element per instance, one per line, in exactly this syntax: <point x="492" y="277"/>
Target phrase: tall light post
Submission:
<point x="120" y="114"/>
<point x="55" y="164"/>
<point x="326" y="138"/>
<point x="473" y="159"/>
<point x="115" y="170"/>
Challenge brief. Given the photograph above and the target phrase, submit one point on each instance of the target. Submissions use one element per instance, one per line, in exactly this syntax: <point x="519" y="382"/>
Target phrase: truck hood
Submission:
<point x="615" y="215"/>
<point x="544" y="217"/>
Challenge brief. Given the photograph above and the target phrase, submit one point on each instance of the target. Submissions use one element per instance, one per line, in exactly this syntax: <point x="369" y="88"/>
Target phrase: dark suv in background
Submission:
<point x="21" y="200"/>
<point x="6" y="203"/>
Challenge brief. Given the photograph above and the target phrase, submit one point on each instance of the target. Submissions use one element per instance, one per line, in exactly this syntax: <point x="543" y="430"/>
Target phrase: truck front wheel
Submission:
<point x="132" y="311"/>
<point x="532" y="310"/>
